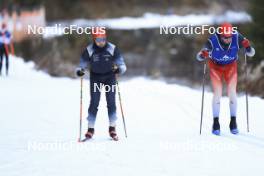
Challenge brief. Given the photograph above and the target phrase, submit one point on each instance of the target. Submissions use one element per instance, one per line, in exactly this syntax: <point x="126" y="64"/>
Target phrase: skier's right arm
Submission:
<point x="84" y="63"/>
<point x="204" y="52"/>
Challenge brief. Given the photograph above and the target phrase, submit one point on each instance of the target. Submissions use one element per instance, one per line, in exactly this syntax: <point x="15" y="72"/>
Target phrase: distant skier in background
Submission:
<point x="221" y="52"/>
<point x="5" y="42"/>
<point x="104" y="61"/>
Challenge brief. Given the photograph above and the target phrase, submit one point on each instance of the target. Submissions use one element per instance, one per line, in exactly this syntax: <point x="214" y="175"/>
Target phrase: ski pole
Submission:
<point x="121" y="107"/>
<point x="202" y="106"/>
<point x="81" y="105"/>
<point x="246" y="82"/>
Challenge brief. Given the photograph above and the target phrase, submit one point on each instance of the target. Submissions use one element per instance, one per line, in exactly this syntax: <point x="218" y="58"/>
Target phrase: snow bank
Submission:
<point x="150" y="20"/>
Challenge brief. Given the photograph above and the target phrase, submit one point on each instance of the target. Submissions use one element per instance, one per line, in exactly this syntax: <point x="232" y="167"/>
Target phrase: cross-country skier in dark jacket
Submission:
<point x="104" y="61"/>
<point x="221" y="50"/>
<point x="5" y="41"/>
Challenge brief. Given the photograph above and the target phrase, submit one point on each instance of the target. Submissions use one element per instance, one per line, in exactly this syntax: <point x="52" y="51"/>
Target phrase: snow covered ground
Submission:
<point x="40" y="119"/>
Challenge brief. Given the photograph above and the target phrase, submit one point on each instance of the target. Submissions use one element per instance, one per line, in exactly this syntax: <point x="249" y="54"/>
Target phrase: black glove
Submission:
<point x="115" y="69"/>
<point x="80" y="72"/>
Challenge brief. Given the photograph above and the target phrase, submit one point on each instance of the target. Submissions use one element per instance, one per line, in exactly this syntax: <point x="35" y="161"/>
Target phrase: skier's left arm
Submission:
<point x="244" y="43"/>
<point x="119" y="62"/>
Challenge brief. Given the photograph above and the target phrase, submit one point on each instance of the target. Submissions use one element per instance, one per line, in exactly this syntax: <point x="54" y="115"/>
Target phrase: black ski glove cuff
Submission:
<point x="115" y="69"/>
<point x="80" y="72"/>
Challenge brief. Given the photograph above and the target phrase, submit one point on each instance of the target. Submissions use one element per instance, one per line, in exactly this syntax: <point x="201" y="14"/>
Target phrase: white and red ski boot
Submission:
<point x="112" y="133"/>
<point x="89" y="134"/>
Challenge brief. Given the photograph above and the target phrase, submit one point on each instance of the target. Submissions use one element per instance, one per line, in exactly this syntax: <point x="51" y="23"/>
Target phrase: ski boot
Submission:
<point x="112" y="133"/>
<point x="216" y="127"/>
<point x="89" y="134"/>
<point x="233" y="125"/>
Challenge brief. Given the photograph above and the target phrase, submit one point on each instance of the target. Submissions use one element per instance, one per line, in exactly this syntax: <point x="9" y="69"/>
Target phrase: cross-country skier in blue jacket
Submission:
<point x="221" y="53"/>
<point x="104" y="61"/>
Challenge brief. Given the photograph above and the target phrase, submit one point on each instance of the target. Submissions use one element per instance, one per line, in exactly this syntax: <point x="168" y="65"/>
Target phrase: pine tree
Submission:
<point x="257" y="28"/>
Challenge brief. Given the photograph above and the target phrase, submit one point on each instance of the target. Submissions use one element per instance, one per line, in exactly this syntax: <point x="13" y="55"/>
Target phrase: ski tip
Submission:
<point x="234" y="131"/>
<point x="114" y="138"/>
<point x="216" y="132"/>
<point x="85" y="139"/>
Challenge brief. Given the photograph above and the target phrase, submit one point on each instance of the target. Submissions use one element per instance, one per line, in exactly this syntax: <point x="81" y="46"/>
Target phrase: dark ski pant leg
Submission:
<point x="6" y="61"/>
<point x="1" y="58"/>
<point x="95" y="94"/>
<point x="111" y="100"/>
<point x="2" y="53"/>
<point x="1" y="63"/>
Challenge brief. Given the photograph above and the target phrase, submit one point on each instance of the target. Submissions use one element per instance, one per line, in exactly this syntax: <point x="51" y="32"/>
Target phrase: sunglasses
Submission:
<point x="100" y="40"/>
<point x="227" y="38"/>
